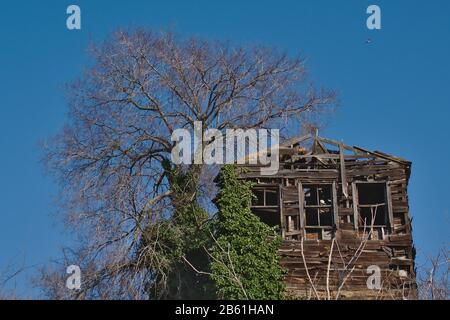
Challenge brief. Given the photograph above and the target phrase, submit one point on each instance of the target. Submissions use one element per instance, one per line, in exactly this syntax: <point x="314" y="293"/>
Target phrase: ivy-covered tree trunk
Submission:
<point x="245" y="263"/>
<point x="183" y="239"/>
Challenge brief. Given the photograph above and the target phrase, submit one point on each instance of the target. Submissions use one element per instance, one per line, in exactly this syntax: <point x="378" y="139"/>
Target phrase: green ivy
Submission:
<point x="245" y="263"/>
<point x="184" y="236"/>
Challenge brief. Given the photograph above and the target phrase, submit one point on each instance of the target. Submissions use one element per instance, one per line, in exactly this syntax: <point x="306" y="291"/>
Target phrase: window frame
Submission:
<point x="333" y="207"/>
<point x="387" y="202"/>
<point x="278" y="207"/>
<point x="265" y="188"/>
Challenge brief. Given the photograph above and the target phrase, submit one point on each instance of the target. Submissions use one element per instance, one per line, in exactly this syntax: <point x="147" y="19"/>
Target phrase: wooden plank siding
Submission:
<point x="390" y="248"/>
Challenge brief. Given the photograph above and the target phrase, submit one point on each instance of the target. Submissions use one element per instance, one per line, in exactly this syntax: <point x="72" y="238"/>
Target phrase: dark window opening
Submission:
<point x="372" y="204"/>
<point x="258" y="199"/>
<point x="318" y="205"/>
<point x="312" y="218"/>
<point x="325" y="217"/>
<point x="318" y="195"/>
<point x="271" y="218"/>
<point x="265" y="205"/>
<point x="271" y="197"/>
<point x="265" y="197"/>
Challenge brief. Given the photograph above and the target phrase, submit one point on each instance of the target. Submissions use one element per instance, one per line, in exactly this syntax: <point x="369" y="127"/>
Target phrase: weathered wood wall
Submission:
<point x="392" y="251"/>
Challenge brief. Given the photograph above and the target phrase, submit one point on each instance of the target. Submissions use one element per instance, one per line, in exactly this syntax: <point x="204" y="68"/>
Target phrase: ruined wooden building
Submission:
<point x="343" y="215"/>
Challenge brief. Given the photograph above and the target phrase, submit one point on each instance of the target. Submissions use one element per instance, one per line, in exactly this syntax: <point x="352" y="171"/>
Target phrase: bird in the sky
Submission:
<point x="368" y="41"/>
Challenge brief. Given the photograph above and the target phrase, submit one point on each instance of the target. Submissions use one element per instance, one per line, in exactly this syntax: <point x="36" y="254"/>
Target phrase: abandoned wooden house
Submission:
<point x="343" y="215"/>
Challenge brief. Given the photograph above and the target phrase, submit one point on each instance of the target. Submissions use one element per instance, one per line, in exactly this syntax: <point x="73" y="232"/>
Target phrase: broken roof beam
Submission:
<point x="385" y="156"/>
<point x="395" y="157"/>
<point x="337" y="144"/>
<point x="295" y="141"/>
<point x="319" y="145"/>
<point x="328" y="156"/>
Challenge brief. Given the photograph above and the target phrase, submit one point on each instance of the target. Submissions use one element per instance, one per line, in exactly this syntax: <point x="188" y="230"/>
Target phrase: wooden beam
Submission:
<point x="337" y="143"/>
<point x="394" y="157"/>
<point x="389" y="206"/>
<point x="343" y="172"/>
<point x="335" y="206"/>
<point x="355" y="205"/>
<point x="300" y="206"/>
<point x="280" y="203"/>
<point x="384" y="156"/>
<point x="295" y="141"/>
<point x="317" y="143"/>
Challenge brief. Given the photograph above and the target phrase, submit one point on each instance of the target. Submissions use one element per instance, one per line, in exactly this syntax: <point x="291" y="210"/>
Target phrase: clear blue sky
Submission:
<point x="394" y="92"/>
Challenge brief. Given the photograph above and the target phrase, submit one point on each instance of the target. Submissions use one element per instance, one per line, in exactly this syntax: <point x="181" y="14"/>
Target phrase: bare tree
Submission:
<point x="8" y="277"/>
<point x="226" y="261"/>
<point x="346" y="266"/>
<point x="433" y="277"/>
<point x="112" y="157"/>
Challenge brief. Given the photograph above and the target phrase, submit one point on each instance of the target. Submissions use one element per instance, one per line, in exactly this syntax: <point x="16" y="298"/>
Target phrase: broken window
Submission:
<point x="372" y="204"/>
<point x="318" y="211"/>
<point x="259" y="198"/>
<point x="265" y="205"/>
<point x="318" y="205"/>
<point x="265" y="197"/>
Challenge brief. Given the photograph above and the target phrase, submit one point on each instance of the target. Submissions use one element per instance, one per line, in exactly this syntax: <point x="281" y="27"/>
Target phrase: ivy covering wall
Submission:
<point x="245" y="263"/>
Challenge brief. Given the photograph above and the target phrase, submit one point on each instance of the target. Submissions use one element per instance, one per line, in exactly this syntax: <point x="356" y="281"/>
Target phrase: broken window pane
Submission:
<point x="325" y="217"/>
<point x="371" y="193"/>
<point x="324" y="193"/>
<point x="318" y="195"/>
<point x="318" y="205"/>
<point x="271" y="218"/>
<point x="271" y="197"/>
<point x="259" y="197"/>
<point x="310" y="196"/>
<point x="312" y="218"/>
<point x="372" y="204"/>
<point x="367" y="214"/>
<point x="265" y="197"/>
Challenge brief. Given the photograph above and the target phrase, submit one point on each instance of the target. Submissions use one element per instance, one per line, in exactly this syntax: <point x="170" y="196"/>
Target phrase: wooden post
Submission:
<point x="301" y="208"/>
<point x="280" y="205"/>
<point x="343" y="173"/>
<point x="355" y="205"/>
<point x="335" y="206"/>
<point x="388" y="202"/>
